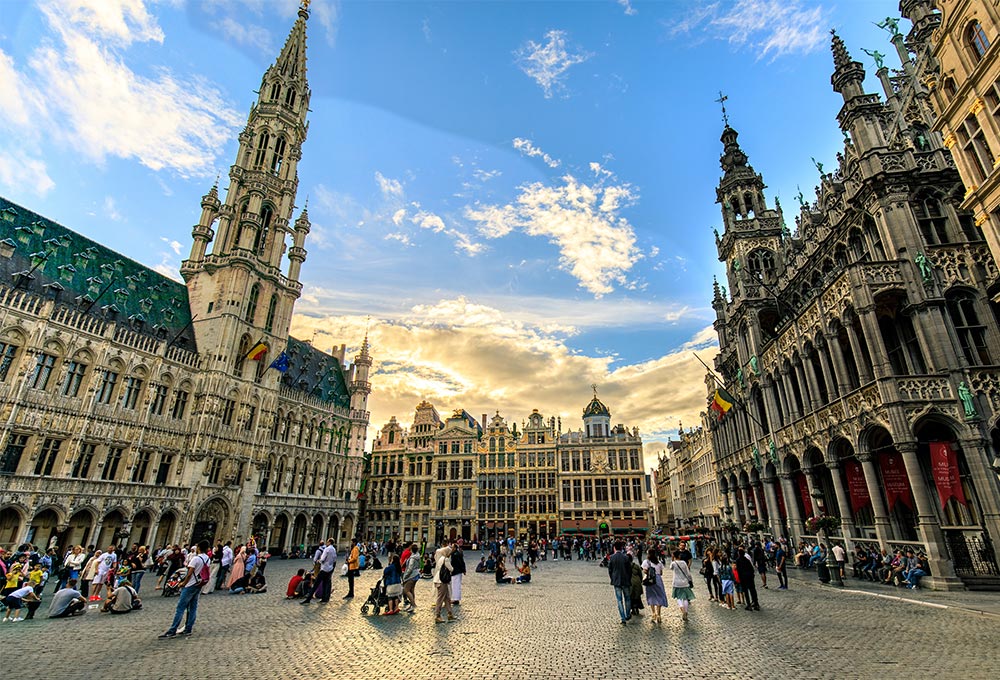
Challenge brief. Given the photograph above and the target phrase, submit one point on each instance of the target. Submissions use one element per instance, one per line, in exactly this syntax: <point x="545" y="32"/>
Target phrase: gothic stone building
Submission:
<point x="863" y="351"/>
<point x="131" y="408"/>
<point x="456" y="479"/>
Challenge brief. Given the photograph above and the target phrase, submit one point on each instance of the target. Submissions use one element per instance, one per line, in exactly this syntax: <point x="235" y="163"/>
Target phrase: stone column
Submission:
<point x="799" y="375"/>
<point x="773" y="511"/>
<point x="864" y="370"/>
<point x="783" y="398"/>
<point x="843" y="503"/>
<point x="795" y="520"/>
<point x="928" y="527"/>
<point x="810" y="474"/>
<point x="883" y="527"/>
<point x="771" y="400"/>
<point x="832" y="385"/>
<point x="840" y="363"/>
<point x="873" y="338"/>
<point x="984" y="478"/>
<point x="812" y="383"/>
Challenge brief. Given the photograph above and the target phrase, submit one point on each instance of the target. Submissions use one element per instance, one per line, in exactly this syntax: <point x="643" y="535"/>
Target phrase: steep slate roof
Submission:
<point x="316" y="374"/>
<point x="84" y="274"/>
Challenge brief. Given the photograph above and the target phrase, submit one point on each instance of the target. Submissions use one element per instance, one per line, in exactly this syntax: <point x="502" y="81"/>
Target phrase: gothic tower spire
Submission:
<point x="240" y="290"/>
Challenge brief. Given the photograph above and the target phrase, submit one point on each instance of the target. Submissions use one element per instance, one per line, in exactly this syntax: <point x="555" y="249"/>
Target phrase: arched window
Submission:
<point x="241" y="355"/>
<point x="239" y="224"/>
<point x="275" y="425"/>
<point x="275" y="92"/>
<point x="287" y="431"/>
<point x="900" y="339"/>
<point x="760" y="262"/>
<point x="262" y="365"/>
<point x="279" y="155"/>
<point x="252" y="303"/>
<point x="874" y="237"/>
<point x="262" y="142"/>
<point x="290" y="97"/>
<point x="971" y="333"/>
<point x="266" y="215"/>
<point x="976" y="38"/>
<point x="279" y="476"/>
<point x="931" y="219"/>
<point x="272" y="308"/>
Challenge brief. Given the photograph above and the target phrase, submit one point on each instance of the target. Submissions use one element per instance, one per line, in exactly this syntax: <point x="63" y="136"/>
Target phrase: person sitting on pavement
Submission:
<point x="67" y="602"/>
<point x="256" y="584"/>
<point x="294" y="589"/>
<point x="481" y="567"/>
<point x="123" y="599"/>
<point x="501" y="572"/>
<point x="525" y="570"/>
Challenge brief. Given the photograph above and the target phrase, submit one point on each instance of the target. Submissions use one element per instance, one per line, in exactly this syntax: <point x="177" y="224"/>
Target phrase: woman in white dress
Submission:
<point x="683" y="591"/>
<point x="656" y="594"/>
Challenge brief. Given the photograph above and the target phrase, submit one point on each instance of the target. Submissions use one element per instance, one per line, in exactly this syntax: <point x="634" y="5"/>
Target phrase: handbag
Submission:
<point x="650" y="578"/>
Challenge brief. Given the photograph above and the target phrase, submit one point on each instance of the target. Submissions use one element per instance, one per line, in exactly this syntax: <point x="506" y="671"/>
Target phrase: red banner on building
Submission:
<point x="897" y="484"/>
<point x="856" y="486"/>
<point x="800" y="479"/>
<point x="781" y="501"/>
<point x="944" y="466"/>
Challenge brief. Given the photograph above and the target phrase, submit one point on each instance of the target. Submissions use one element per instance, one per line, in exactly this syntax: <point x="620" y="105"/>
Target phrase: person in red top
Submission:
<point x="295" y="585"/>
<point x="406" y="553"/>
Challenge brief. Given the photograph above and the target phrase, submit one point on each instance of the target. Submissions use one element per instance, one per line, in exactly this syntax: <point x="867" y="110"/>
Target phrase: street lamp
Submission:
<point x="831" y="563"/>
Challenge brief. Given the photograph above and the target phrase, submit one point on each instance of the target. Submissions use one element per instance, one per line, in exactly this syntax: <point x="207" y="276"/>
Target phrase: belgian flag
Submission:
<point x="722" y="402"/>
<point x="258" y="351"/>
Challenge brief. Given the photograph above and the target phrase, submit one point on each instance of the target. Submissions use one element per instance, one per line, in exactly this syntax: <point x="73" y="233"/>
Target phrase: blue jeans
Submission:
<point x="623" y="596"/>
<point x="187" y="602"/>
<point x="913" y="577"/>
<point x="136" y="578"/>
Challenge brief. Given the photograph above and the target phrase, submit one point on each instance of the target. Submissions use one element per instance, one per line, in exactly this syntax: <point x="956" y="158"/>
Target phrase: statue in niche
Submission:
<point x="968" y="404"/>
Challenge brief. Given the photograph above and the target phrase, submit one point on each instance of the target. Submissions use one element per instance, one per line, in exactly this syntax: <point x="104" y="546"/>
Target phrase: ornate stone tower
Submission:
<point x="239" y="294"/>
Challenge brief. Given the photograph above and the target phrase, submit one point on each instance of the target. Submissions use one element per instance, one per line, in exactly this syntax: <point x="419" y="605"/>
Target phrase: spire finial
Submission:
<point x="722" y="102"/>
<point x="593" y="386"/>
<point x="304" y="9"/>
<point x="840" y="56"/>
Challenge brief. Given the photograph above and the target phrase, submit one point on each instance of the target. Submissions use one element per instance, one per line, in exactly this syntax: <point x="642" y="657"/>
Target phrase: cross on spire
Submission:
<point x="722" y="102"/>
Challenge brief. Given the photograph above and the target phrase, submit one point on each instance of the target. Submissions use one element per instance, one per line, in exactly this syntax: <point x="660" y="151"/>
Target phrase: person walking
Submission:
<point x="392" y="579"/>
<point x="781" y="566"/>
<point x="441" y="577"/>
<point x="683" y="584"/>
<point x="353" y="567"/>
<point x="708" y="571"/>
<point x="197" y="564"/>
<point x="225" y="564"/>
<point x="458" y="571"/>
<point x="745" y="574"/>
<point x="411" y="574"/>
<point x="656" y="594"/>
<point x="760" y="562"/>
<point x="620" y="571"/>
<point x="327" y="563"/>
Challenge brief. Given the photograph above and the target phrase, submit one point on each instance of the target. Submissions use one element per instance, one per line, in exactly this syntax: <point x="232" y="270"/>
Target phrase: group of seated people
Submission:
<point x="901" y="568"/>
<point x="501" y="573"/>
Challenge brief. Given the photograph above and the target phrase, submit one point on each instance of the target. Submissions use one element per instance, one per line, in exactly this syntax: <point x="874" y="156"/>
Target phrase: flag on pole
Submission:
<point x="281" y="363"/>
<point x="258" y="351"/>
<point x="722" y="402"/>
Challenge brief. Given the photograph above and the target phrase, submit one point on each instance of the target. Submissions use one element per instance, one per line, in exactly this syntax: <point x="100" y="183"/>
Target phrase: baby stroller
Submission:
<point x="173" y="584"/>
<point x="376" y="599"/>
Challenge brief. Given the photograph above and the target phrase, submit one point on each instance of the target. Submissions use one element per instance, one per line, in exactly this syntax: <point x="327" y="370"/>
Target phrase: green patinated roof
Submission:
<point x="596" y="408"/>
<point x="316" y="373"/>
<point x="85" y="275"/>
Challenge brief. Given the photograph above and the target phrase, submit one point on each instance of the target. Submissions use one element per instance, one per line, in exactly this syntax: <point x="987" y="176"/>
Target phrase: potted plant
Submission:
<point x="825" y="523"/>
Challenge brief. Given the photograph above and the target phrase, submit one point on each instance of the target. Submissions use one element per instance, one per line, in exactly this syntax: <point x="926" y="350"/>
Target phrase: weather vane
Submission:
<point x="722" y="101"/>
<point x="593" y="386"/>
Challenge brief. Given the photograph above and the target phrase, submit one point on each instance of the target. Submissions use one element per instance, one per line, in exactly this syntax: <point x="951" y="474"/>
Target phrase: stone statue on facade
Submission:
<point x="772" y="451"/>
<point x="819" y="166"/>
<point x="890" y="25"/>
<point x="924" y="265"/>
<point x="754" y="366"/>
<point x="968" y="404"/>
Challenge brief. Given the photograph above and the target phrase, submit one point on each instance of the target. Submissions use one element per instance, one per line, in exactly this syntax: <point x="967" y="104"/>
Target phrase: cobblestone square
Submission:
<point x="562" y="625"/>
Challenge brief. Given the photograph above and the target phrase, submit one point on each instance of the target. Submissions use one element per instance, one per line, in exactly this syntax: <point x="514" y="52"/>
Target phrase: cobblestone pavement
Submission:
<point x="562" y="625"/>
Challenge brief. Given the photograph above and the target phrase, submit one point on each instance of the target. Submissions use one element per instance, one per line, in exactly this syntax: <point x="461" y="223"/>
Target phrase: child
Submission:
<point x="726" y="576"/>
<point x="16" y="600"/>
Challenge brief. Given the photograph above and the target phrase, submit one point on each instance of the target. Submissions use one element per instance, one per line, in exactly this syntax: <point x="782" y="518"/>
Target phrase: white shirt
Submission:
<point x="195" y="562"/>
<point x="838" y="553"/>
<point x="227" y="556"/>
<point x="328" y="560"/>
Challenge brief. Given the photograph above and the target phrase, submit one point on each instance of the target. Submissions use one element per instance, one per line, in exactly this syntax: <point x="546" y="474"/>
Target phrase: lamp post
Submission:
<point x="831" y="563"/>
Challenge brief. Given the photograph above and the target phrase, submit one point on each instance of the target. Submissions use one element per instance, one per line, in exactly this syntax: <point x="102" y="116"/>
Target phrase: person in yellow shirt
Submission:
<point x="35" y="576"/>
<point x="353" y="564"/>
<point x="13" y="578"/>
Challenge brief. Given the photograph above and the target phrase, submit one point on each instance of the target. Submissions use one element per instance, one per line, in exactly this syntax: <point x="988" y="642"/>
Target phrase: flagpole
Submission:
<point x="723" y="386"/>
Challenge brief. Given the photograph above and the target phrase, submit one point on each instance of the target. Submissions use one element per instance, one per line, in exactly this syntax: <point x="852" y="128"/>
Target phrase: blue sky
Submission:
<point x="519" y="195"/>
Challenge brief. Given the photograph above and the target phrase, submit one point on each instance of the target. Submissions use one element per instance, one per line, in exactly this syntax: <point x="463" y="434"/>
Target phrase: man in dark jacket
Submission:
<point x="620" y="569"/>
<point x="744" y="567"/>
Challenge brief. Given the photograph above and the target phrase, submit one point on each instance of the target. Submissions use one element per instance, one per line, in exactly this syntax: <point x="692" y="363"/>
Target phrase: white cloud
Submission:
<point x="399" y="236"/>
<point x="463" y="242"/>
<point x="774" y="28"/>
<point x="390" y="188"/>
<point x="548" y="62"/>
<point x="629" y="9"/>
<point x="486" y="175"/>
<point x="111" y="210"/>
<point x="528" y="148"/>
<point x="20" y="172"/>
<point x="399" y="216"/>
<point x="246" y="34"/>
<point x="174" y="245"/>
<point x="79" y="90"/>
<point x="597" y="246"/>
<point x="425" y="26"/>
<point x="459" y="353"/>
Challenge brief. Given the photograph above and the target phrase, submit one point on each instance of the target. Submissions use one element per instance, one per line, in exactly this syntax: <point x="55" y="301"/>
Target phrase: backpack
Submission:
<point x="445" y="574"/>
<point x="204" y="574"/>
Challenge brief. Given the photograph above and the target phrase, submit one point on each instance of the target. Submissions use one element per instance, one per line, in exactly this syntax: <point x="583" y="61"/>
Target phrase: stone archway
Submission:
<point x="279" y="534"/>
<point x="165" y="529"/>
<point x="347" y="528"/>
<point x="210" y="521"/>
<point x="142" y="525"/>
<point x="44" y="525"/>
<point x="80" y="529"/>
<point x="299" y="531"/>
<point x="316" y="530"/>
<point x="10" y="526"/>
<point x="111" y="525"/>
<point x="259" y="529"/>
